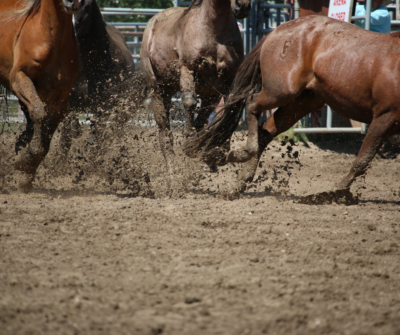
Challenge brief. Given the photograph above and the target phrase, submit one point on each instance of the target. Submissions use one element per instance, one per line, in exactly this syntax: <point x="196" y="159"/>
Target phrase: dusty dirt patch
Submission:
<point x="80" y="255"/>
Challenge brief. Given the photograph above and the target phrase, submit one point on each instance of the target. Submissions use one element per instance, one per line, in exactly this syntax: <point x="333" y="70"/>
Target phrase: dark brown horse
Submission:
<point x="39" y="64"/>
<point x="196" y="51"/>
<point x="105" y="63"/>
<point x="302" y="65"/>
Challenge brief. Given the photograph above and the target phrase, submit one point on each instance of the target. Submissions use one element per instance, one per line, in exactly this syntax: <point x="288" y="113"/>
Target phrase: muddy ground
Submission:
<point x="99" y="247"/>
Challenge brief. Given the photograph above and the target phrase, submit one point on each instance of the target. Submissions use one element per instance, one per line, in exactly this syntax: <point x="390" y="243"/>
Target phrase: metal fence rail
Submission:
<point x="328" y="129"/>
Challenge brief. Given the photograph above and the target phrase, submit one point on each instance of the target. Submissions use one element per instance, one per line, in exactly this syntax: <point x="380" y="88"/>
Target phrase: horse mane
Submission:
<point x="195" y="3"/>
<point x="26" y="7"/>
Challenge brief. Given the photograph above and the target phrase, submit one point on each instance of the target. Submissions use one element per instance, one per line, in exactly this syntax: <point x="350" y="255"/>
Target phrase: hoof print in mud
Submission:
<point x="341" y="197"/>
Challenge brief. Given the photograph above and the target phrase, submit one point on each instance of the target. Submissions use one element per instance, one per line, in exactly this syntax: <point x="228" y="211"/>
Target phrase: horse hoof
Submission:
<point x="214" y="157"/>
<point x="234" y="193"/>
<point x="239" y="156"/>
<point x="210" y="168"/>
<point x="232" y="157"/>
<point x="25" y="182"/>
<point x="345" y="197"/>
<point x="230" y="195"/>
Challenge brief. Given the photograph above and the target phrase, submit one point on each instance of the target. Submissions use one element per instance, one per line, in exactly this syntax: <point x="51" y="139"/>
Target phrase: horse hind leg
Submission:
<point x="379" y="130"/>
<point x="283" y="118"/>
<point x="254" y="110"/>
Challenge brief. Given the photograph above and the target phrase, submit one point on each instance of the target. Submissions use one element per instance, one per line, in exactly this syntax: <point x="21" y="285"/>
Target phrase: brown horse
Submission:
<point x="105" y="63"/>
<point x="302" y="65"/>
<point x="39" y="64"/>
<point x="196" y="51"/>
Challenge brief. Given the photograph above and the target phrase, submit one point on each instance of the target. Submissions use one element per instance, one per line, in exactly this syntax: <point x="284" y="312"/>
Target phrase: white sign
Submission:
<point x="340" y="9"/>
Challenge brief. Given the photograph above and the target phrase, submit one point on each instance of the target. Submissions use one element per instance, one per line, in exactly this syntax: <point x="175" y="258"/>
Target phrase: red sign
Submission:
<point x="339" y="2"/>
<point x="340" y="10"/>
<point x="339" y="16"/>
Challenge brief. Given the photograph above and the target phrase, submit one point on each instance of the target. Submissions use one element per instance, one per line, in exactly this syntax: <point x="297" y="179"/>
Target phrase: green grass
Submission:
<point x="290" y="134"/>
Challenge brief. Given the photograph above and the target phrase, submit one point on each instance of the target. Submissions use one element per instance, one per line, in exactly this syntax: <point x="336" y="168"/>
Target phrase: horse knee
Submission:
<point x="189" y="101"/>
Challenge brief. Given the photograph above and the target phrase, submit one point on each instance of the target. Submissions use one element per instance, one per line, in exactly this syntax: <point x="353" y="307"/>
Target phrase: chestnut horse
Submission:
<point x="197" y="51"/>
<point x="302" y="65"/>
<point x="39" y="64"/>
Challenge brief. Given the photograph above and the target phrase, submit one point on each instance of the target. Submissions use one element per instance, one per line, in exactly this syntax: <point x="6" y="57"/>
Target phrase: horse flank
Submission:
<point x="247" y="81"/>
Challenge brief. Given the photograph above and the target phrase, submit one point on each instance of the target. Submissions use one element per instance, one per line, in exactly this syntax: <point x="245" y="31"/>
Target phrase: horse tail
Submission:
<point x="247" y="81"/>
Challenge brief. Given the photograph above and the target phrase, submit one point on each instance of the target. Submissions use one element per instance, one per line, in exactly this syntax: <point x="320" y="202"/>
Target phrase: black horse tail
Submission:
<point x="247" y="81"/>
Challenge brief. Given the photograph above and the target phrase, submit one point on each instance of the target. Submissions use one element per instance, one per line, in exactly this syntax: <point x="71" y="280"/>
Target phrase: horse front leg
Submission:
<point x="32" y="139"/>
<point x="26" y="136"/>
<point x="160" y="106"/>
<point x="188" y="99"/>
<point x="379" y="130"/>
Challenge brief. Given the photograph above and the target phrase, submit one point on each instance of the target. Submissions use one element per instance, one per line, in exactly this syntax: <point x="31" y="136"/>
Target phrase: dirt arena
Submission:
<point x="98" y="247"/>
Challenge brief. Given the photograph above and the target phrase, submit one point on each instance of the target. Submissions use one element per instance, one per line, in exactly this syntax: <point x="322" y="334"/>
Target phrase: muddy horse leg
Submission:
<point x="254" y="110"/>
<point x="189" y="100"/>
<point x="160" y="107"/>
<point x="379" y="130"/>
<point x="26" y="135"/>
<point x="260" y="136"/>
<point x="35" y="140"/>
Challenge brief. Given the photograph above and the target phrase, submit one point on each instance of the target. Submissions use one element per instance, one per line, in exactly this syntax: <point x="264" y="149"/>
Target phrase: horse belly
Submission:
<point x="345" y="85"/>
